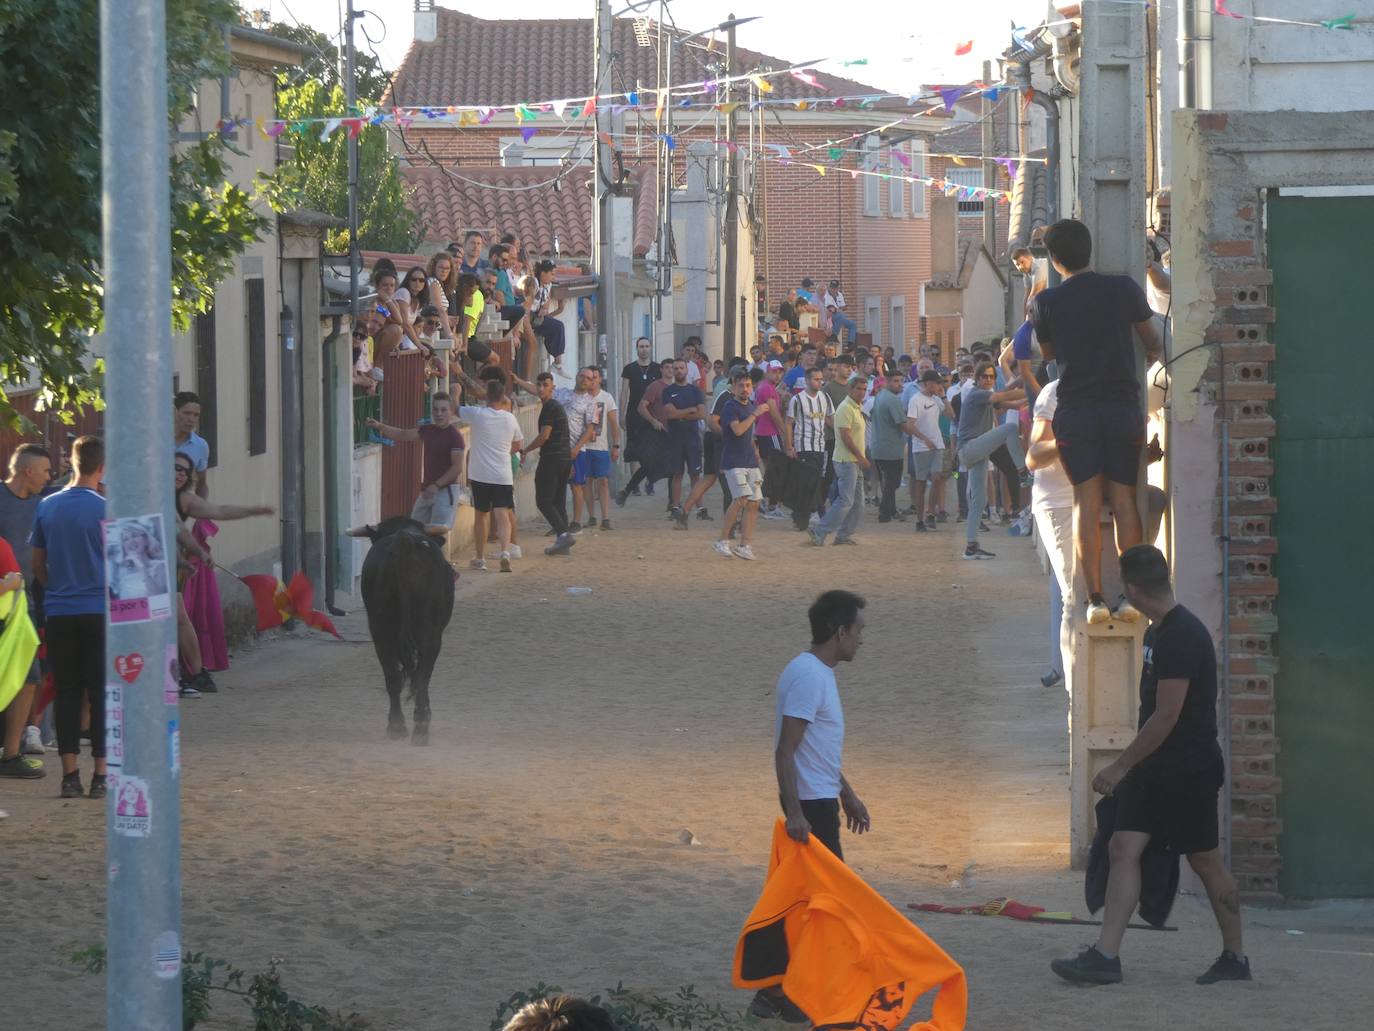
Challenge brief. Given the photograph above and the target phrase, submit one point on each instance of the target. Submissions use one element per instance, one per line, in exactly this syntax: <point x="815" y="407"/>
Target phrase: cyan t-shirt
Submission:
<point x="197" y="449"/>
<point x="67" y="527"/>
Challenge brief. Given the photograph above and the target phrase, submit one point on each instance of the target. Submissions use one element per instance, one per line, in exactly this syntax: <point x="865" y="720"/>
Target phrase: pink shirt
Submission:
<point x="767" y="392"/>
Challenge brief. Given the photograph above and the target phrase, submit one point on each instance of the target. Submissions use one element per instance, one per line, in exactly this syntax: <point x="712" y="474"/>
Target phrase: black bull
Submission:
<point x="408" y="592"/>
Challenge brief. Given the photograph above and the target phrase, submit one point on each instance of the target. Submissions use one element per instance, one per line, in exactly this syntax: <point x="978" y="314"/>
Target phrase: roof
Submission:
<point x="522" y="200"/>
<point x="307" y="219"/>
<point x="274" y="48"/>
<point x="485" y="61"/>
<point x="1029" y="203"/>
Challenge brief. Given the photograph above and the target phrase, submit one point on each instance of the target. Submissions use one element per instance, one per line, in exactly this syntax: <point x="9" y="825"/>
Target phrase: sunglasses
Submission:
<point x="184" y="470"/>
<point x="360" y="334"/>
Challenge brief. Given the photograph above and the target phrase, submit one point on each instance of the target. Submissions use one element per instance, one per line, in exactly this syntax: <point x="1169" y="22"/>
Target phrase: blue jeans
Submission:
<point x="842" y="517"/>
<point x="840" y="321"/>
<point x="974" y="457"/>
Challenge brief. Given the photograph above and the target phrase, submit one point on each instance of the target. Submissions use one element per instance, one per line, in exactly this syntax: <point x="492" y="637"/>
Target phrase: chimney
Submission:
<point x="944" y="236"/>
<point x="426" y="21"/>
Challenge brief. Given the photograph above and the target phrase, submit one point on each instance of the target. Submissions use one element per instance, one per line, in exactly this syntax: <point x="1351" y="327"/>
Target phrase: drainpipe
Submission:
<point x="291" y="464"/>
<point x="1195" y="55"/>
<point x="1018" y="77"/>
<point x="332" y="470"/>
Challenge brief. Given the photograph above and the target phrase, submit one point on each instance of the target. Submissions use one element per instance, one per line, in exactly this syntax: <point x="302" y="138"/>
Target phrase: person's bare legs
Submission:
<point x="1087" y="531"/>
<point x="502" y="517"/>
<point x="675" y="488"/>
<point x="1123" y="888"/>
<point x="936" y="504"/>
<point x="386" y="341"/>
<point x="603" y="487"/>
<point x="1125" y="514"/>
<point x="1221" y="892"/>
<point x="918" y="496"/>
<point x="577" y="503"/>
<point x="16" y="717"/>
<point x="699" y="489"/>
<point x="188" y="643"/>
<point x="751" y="518"/>
<point x="479" y="535"/>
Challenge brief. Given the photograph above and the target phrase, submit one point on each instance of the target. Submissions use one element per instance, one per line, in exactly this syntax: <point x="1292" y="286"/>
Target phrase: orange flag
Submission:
<point x="963" y="49"/>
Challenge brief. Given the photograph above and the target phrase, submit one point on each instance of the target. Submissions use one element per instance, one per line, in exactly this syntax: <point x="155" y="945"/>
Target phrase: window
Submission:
<point x="205" y="381"/>
<point x="967" y="177"/>
<point x="896" y="187"/>
<point x="872" y="202"/>
<point x="918" y="169"/>
<point x="873" y="317"/>
<point x="516" y="152"/>
<point x="898" y="325"/>
<point x="255" y="309"/>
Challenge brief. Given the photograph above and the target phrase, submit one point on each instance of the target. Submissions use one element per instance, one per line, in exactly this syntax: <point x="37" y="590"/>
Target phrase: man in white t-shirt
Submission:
<point x="809" y="745"/>
<point x="592" y="460"/>
<point x="495" y="438"/>
<point x="927" y="457"/>
<point x="1052" y="507"/>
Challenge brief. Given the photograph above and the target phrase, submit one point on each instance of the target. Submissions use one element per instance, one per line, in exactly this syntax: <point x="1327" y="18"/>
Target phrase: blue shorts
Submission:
<point x="684" y="449"/>
<point x="590" y="465"/>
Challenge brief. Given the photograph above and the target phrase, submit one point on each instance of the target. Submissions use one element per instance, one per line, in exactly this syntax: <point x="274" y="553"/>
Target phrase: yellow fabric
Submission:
<point x="476" y="306"/>
<point x="18" y="643"/>
<point x="851" y="415"/>
<point x="840" y="952"/>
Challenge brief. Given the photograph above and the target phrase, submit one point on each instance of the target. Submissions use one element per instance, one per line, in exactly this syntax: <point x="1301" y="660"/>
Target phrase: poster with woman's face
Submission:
<point x="137" y="572"/>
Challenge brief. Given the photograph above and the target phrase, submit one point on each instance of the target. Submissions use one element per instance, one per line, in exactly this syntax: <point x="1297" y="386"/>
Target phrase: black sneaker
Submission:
<point x="71" y="785"/>
<point x="975" y="551"/>
<point x="22" y="767"/>
<point x="984" y="527"/>
<point x="620" y="498"/>
<point x="605" y="524"/>
<point x="704" y="514"/>
<point x="97" y="786"/>
<point x="574" y="528"/>
<point x="1228" y="967"/>
<point x="930" y="521"/>
<point x="561" y="546"/>
<point x="921" y="528"/>
<point x="776" y="1007"/>
<point x="202" y="683"/>
<point x="943" y="517"/>
<point x="1089" y="967"/>
<point x="648" y="490"/>
<point x="679" y="518"/>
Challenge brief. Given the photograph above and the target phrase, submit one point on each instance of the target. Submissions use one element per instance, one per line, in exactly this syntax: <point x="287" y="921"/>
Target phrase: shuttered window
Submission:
<point x="205" y="382"/>
<point x="256" y="308"/>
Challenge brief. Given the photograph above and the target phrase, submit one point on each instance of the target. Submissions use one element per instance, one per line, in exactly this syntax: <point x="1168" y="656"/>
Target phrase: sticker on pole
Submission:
<point x="167" y="955"/>
<point x="171" y="683"/>
<point x="174" y="747"/>
<point x="133" y="813"/>
<point x="114" y="725"/>
<point x="137" y="570"/>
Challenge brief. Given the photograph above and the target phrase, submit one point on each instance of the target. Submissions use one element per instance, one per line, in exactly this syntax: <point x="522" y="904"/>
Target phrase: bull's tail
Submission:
<point x="411" y="554"/>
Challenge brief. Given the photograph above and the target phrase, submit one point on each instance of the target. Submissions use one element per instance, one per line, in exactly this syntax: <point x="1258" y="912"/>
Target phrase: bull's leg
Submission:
<point x="391" y="669"/>
<point x="419" y="683"/>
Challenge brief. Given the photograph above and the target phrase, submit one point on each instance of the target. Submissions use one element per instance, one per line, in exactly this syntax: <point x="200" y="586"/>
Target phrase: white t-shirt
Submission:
<point x="602" y="405"/>
<point x="493" y="432"/>
<point x="807" y="691"/>
<point x="926" y="409"/>
<point x="693" y="373"/>
<point x="1052" y="487"/>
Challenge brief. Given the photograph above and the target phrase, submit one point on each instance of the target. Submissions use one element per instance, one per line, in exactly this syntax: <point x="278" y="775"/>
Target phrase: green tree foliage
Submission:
<point x="325" y="61"/>
<point x="317" y="173"/>
<point x="50" y="196"/>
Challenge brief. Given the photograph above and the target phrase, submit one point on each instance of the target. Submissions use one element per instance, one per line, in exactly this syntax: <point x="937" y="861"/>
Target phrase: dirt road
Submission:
<point x="576" y="739"/>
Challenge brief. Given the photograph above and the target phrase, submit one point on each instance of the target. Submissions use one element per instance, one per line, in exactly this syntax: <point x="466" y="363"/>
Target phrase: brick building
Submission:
<point x="872" y="234"/>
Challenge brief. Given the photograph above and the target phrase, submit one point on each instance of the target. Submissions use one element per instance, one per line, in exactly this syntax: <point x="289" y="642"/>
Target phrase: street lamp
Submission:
<point x="666" y="229"/>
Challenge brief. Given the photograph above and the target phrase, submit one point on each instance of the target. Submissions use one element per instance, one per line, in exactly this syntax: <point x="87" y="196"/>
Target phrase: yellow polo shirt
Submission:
<point x="851" y="416"/>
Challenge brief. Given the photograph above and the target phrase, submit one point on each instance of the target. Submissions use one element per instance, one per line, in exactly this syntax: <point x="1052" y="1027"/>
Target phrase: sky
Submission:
<point x="906" y="44"/>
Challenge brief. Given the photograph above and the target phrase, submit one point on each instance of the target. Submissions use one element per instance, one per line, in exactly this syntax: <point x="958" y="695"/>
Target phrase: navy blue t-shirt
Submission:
<point x="738" y="450"/>
<point x="1087" y="323"/>
<point x="68" y="528"/>
<point x="682" y="396"/>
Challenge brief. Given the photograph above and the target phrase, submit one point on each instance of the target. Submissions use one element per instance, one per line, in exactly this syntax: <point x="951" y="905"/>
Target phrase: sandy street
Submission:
<point x="576" y="739"/>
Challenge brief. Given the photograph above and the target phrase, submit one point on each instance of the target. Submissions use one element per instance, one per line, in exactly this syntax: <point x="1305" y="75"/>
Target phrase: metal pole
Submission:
<point x="291" y="451"/>
<point x="350" y="100"/>
<point x="143" y="831"/>
<point x="989" y="168"/>
<point x="608" y="316"/>
<point x="730" y="289"/>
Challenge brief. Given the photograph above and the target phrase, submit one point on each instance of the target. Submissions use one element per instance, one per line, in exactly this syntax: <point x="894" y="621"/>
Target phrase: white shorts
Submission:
<point x="438" y="510"/>
<point x="744" y="483"/>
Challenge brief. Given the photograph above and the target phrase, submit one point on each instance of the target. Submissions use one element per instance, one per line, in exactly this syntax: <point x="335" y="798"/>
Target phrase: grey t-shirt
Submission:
<point x="887" y="419"/>
<point x="975" y="416"/>
<point x="16" y="523"/>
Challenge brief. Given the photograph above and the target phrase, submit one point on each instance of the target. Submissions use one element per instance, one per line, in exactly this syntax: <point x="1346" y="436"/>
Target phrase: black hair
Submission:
<point x="756" y="376"/>
<point x="496" y="250"/>
<point x="1070" y="243"/>
<point x="737" y="374"/>
<point x="429" y="312"/>
<point x="23" y="452"/>
<point x="440" y="397"/>
<point x="186" y="397"/>
<point x="1144" y="566"/>
<point x="470" y="234"/>
<point x="495" y="391"/>
<point x="831" y="613"/>
<point x="544" y="377"/>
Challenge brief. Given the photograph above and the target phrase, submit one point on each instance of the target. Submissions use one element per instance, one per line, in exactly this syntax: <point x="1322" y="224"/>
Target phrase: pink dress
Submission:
<point x="201" y="595"/>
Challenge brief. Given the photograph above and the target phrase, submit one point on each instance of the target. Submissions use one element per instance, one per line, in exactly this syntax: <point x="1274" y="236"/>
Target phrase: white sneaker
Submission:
<point x="478" y="564"/>
<point x="32" y="742"/>
<point x="722" y="548"/>
<point x="515" y="551"/>
<point x="505" y="562"/>
<point x="774" y="513"/>
<point x="1098" y="612"/>
<point x="1125" y="611"/>
<point x="743" y="551"/>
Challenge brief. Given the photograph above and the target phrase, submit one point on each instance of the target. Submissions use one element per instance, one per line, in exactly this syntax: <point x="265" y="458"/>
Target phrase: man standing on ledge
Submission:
<point x="1167" y="779"/>
<point x="809" y="746"/>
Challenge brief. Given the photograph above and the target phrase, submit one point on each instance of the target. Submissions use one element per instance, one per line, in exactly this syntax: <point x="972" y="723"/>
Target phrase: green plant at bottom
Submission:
<point x="272" y="1008"/>
<point x="639" y="1011"/>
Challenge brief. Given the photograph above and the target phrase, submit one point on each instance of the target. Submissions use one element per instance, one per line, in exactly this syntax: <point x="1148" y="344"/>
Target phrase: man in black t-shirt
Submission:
<point x="555" y="463"/>
<point x="635" y="379"/>
<point x="1085" y="324"/>
<point x="1167" y="779"/>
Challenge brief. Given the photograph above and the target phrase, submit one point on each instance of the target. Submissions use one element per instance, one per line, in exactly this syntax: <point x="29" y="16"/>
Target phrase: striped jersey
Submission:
<point x="808" y="415"/>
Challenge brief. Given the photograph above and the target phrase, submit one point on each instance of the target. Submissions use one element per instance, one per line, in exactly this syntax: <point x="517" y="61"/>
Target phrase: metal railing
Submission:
<point x="366" y="406"/>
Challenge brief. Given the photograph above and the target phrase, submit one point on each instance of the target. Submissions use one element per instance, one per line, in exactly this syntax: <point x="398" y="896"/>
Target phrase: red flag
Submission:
<point x="301" y="601"/>
<point x="963" y="48"/>
<point x="264" y="589"/>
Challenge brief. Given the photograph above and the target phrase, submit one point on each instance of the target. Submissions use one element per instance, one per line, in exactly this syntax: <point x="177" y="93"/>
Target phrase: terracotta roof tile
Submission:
<point x="492" y="200"/>
<point x="485" y="61"/>
<point x="1029" y="203"/>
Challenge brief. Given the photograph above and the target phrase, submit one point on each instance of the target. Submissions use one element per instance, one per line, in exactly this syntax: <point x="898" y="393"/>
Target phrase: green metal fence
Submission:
<point x="366" y="406"/>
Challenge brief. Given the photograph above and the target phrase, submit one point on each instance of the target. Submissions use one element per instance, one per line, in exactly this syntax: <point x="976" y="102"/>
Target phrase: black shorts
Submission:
<point x="1178" y="805"/>
<point x="710" y="459"/>
<point x="824" y="816"/>
<point x="684" y="449"/>
<point x="486" y="496"/>
<point x="1100" y="438"/>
